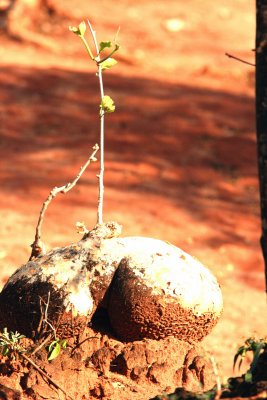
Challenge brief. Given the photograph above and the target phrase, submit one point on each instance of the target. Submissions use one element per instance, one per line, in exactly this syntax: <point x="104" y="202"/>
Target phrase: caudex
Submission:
<point x="106" y="106"/>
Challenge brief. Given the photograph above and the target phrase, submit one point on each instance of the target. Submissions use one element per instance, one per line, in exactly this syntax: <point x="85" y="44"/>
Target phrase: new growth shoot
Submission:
<point x="106" y="106"/>
<point x="106" y="103"/>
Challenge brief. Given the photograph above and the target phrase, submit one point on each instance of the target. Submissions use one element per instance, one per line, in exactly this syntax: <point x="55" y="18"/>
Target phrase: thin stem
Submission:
<point x="83" y="341"/>
<point x="38" y="348"/>
<point x="102" y="120"/>
<point x="240" y="59"/>
<point x="45" y="319"/>
<point x="87" y="48"/>
<point x="108" y="56"/>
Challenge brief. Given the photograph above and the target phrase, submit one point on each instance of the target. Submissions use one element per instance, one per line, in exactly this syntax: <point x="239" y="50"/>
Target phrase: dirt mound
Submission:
<point x="101" y="367"/>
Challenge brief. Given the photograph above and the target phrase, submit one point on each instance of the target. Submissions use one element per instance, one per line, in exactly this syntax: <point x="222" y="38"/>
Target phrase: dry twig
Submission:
<point x="41" y="345"/>
<point x="44" y="374"/>
<point x="240" y="59"/>
<point x="83" y="341"/>
<point x="44" y="315"/>
<point x="37" y="246"/>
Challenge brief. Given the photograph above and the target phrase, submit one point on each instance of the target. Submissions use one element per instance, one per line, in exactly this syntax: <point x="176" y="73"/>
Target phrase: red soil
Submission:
<point x="180" y="148"/>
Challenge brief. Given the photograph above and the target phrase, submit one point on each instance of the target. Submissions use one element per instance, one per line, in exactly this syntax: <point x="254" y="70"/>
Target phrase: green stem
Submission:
<point x="87" y="47"/>
<point x="102" y="120"/>
<point x="110" y="54"/>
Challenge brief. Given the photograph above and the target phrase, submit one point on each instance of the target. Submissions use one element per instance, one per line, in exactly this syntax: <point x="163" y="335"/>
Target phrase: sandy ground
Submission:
<point x="180" y="148"/>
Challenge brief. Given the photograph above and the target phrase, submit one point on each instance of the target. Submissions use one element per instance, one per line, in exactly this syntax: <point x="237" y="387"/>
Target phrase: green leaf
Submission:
<point x="108" y="63"/>
<point x="6" y="333"/>
<point x="63" y="343"/>
<point x="256" y="354"/>
<point x="104" y="45"/>
<point x="241" y="352"/>
<point x="52" y="345"/>
<point x="13" y="336"/>
<point x="5" y="350"/>
<point x="55" y="352"/>
<point x="248" y="377"/>
<point x="107" y="105"/>
<point x="235" y="360"/>
<point x="80" y="30"/>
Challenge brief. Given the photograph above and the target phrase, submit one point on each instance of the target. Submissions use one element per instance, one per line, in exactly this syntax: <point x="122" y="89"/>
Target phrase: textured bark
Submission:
<point x="261" y="116"/>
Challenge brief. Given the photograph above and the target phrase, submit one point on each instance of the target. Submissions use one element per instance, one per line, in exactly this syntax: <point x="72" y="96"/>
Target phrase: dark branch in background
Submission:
<point x="38" y="246"/>
<point x="240" y="59"/>
<point x="261" y="117"/>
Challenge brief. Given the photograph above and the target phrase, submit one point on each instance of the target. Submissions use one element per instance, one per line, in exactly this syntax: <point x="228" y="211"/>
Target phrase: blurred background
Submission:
<point x="180" y="150"/>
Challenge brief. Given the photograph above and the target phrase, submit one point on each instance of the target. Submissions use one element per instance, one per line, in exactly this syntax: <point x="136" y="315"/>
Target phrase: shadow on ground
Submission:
<point x="195" y="147"/>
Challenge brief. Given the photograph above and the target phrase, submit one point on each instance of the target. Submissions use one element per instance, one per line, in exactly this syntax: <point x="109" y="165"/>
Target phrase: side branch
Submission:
<point x="240" y="60"/>
<point x="37" y="246"/>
